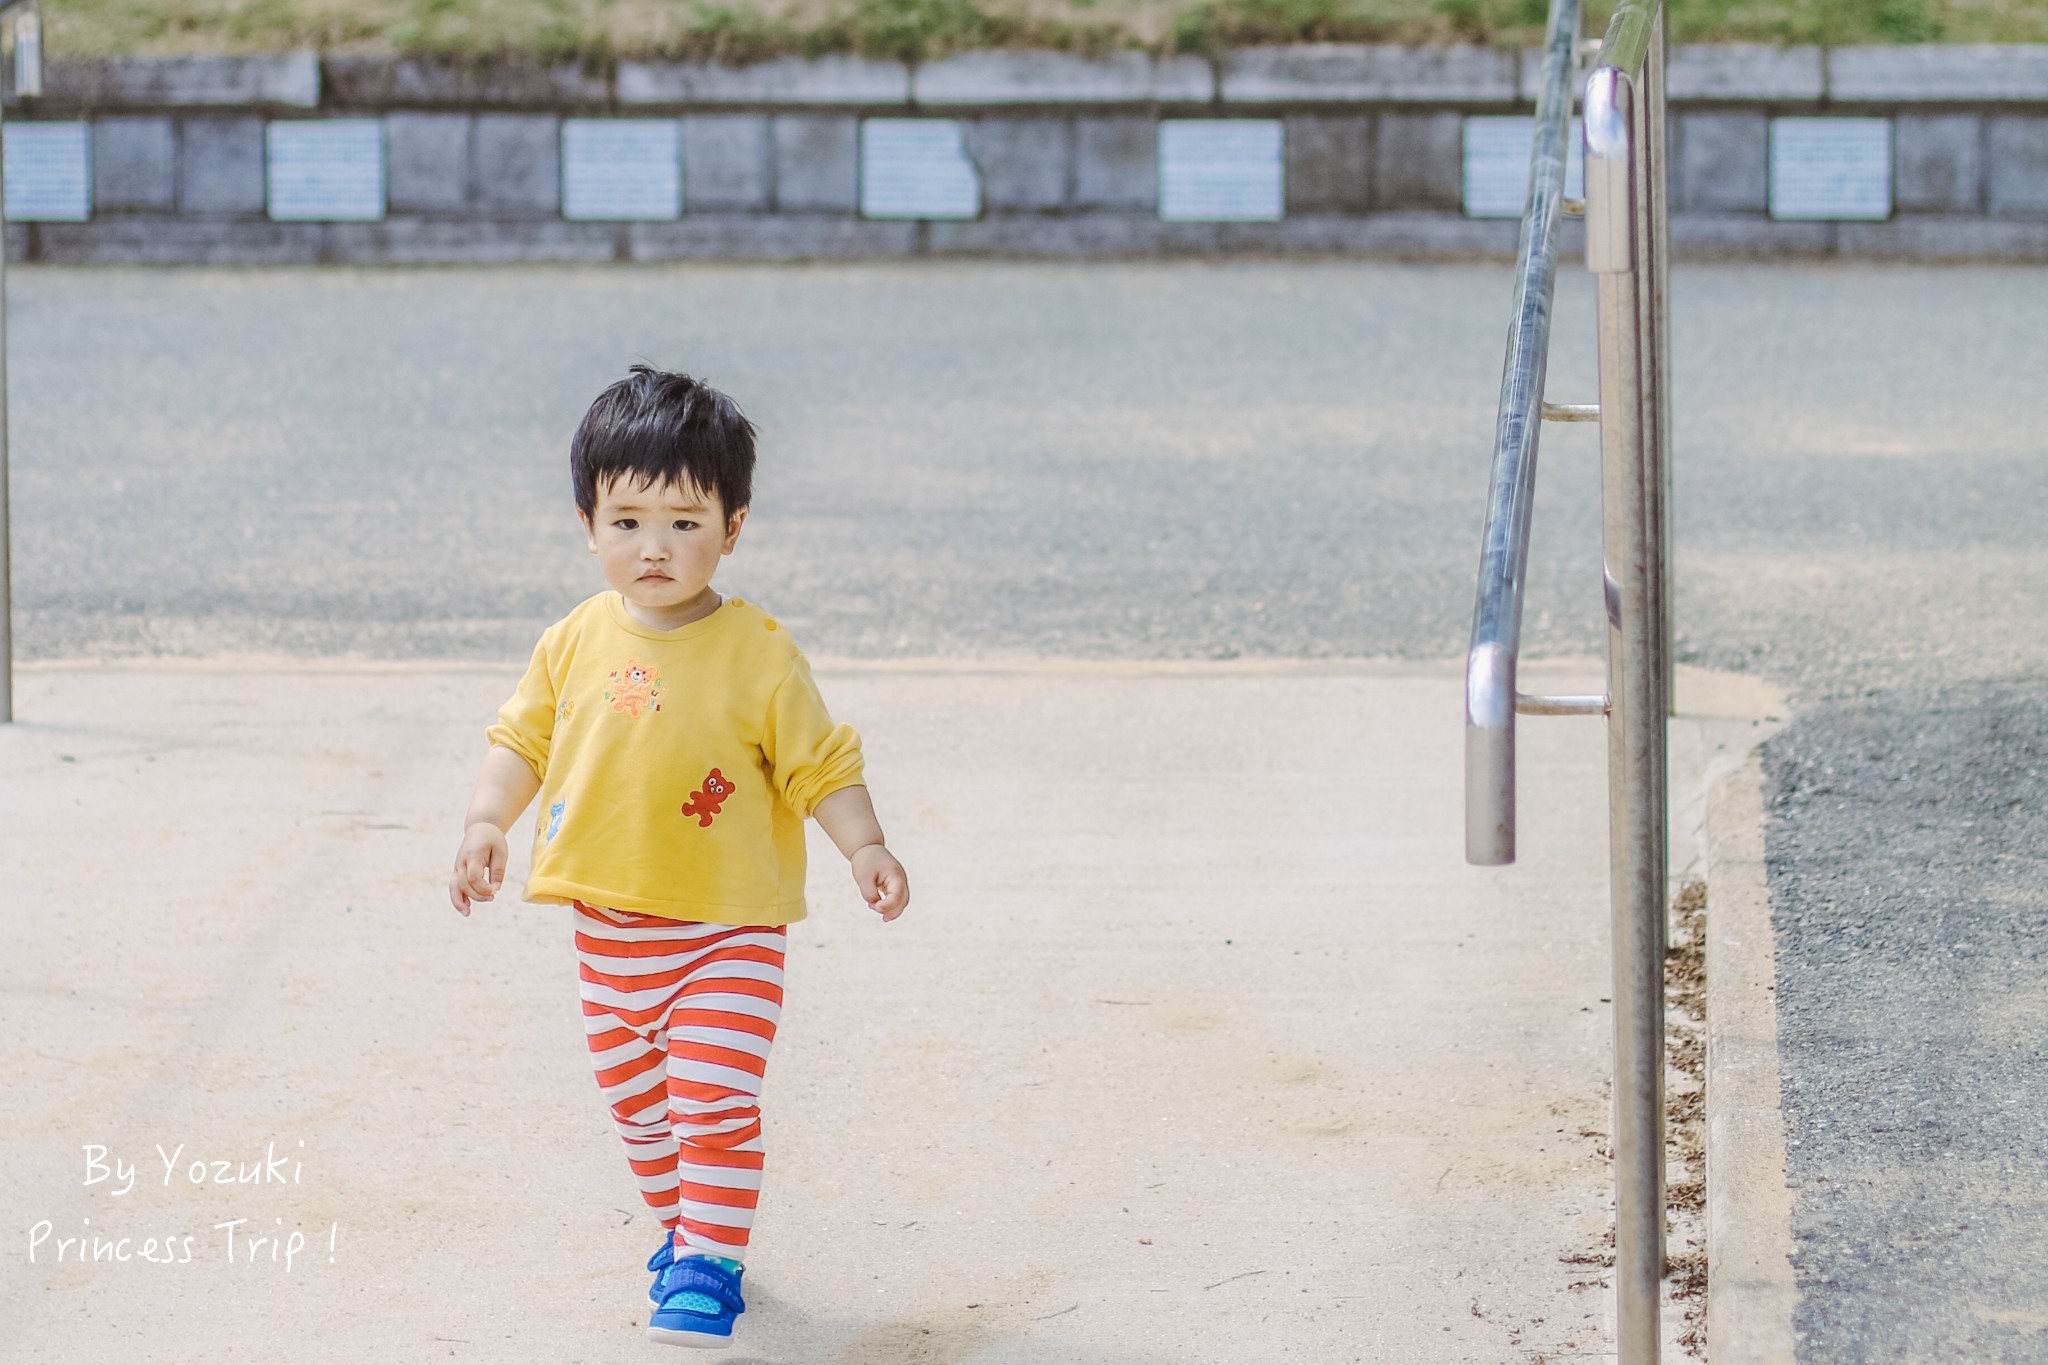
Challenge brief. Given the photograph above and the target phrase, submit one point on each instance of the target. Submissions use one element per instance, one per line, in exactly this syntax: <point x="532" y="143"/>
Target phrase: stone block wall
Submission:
<point x="1064" y="150"/>
<point x="134" y="164"/>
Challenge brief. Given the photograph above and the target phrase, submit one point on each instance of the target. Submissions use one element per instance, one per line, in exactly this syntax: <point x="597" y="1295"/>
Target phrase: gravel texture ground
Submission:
<point x="1906" y="870"/>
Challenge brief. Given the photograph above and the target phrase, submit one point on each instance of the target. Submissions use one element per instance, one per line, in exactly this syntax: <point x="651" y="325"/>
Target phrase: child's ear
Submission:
<point x="589" y="529"/>
<point x="732" y="530"/>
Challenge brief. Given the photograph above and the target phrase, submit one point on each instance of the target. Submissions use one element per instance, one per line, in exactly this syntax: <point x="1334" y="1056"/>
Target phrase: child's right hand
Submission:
<point x="479" y="866"/>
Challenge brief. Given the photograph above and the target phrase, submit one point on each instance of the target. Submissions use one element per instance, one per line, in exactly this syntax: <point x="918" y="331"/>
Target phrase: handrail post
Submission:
<point x="6" y="513"/>
<point x="1660" y="285"/>
<point x="1626" y="239"/>
<point x="25" y="77"/>
<point x="1621" y="200"/>
<point x="1653" y="231"/>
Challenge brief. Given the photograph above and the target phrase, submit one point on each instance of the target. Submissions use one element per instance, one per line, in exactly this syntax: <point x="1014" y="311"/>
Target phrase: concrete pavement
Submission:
<point x="1200" y="1042"/>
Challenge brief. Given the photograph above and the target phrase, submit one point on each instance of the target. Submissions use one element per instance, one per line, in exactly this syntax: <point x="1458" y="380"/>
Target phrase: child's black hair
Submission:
<point x="660" y="428"/>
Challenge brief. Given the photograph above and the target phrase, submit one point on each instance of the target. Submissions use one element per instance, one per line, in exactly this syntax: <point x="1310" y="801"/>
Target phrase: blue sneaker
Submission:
<point x="698" y="1297"/>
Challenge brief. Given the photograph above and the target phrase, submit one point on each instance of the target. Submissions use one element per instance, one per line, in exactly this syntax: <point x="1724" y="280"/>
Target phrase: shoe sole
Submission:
<point x="676" y="1336"/>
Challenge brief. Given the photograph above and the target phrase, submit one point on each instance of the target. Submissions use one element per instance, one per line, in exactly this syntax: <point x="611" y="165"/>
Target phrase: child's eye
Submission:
<point x="626" y="524"/>
<point x="686" y="526"/>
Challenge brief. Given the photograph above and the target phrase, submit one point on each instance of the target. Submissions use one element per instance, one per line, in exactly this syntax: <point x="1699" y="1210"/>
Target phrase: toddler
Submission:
<point x="677" y="742"/>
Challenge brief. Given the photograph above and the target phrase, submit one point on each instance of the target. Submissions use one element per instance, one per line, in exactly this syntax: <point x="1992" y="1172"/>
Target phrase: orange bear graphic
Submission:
<point x="705" y="803"/>
<point x="635" y="689"/>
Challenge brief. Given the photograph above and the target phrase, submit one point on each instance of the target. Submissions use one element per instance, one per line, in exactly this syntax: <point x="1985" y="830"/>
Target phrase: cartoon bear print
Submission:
<point x="635" y="689"/>
<point x="705" y="802"/>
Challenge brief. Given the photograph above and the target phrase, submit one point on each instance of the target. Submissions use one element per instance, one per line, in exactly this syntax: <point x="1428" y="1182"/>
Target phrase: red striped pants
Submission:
<point x="680" y="1017"/>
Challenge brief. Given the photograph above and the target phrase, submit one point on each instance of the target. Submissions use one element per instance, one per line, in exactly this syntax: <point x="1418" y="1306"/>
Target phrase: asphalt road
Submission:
<point x="1187" y="461"/>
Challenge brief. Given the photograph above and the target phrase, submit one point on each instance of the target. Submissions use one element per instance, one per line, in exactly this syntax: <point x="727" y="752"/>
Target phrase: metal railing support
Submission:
<point x="1657" y="234"/>
<point x="22" y="24"/>
<point x="6" y="512"/>
<point x="1626" y="248"/>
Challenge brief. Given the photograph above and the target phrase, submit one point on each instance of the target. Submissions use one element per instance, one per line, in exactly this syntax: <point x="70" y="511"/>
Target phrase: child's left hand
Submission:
<point x="882" y="880"/>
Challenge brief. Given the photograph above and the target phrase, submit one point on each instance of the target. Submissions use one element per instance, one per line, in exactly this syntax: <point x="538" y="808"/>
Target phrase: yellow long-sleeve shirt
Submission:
<point x="677" y="767"/>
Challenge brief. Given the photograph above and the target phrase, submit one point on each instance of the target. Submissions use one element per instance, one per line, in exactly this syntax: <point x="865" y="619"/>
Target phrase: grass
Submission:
<point x="598" y="31"/>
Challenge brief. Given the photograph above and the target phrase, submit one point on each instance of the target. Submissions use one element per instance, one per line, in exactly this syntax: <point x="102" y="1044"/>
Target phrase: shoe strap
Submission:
<point x="660" y="1259"/>
<point x="695" y="1275"/>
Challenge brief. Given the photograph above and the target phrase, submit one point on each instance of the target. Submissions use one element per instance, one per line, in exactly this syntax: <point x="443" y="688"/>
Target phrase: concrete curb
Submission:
<point x="1000" y="79"/>
<point x="1368" y="73"/>
<point x="1967" y="74"/>
<point x="284" y="80"/>
<point x="1327" y="75"/>
<point x="852" y="82"/>
<point x="1751" y="1293"/>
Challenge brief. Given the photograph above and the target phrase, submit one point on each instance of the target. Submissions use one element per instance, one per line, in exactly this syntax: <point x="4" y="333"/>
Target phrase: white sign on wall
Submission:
<point x="1831" y="168"/>
<point x="1497" y="152"/>
<point x="325" y="170"/>
<point x="48" y="171"/>
<point x="1221" y="170"/>
<point x="917" y="168"/>
<point x="616" y="168"/>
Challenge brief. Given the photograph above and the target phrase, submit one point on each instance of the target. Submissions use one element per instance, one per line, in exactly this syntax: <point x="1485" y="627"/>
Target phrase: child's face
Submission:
<point x="659" y="546"/>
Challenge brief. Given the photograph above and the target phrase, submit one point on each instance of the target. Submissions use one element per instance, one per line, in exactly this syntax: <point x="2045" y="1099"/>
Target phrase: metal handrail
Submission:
<point x="22" y="21"/>
<point x="1626" y="241"/>
<point x="1490" y="697"/>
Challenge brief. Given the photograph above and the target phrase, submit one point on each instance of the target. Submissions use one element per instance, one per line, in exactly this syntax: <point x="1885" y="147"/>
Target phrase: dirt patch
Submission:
<point x="1685" y="1112"/>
